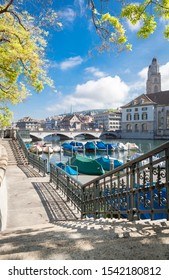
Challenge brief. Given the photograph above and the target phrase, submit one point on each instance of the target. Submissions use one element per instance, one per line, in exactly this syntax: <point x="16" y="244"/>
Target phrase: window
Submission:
<point x="128" y="117"/>
<point x="136" y="128"/>
<point x="144" y="109"/>
<point x="160" y="119"/>
<point x="136" y="109"/>
<point x="136" y="116"/>
<point x="156" y="88"/>
<point x="129" y="127"/>
<point x="144" y="116"/>
<point x="128" y="110"/>
<point x="144" y="127"/>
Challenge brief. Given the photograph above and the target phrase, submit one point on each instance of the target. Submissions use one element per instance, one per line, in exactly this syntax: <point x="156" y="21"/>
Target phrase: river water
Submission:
<point x="144" y="146"/>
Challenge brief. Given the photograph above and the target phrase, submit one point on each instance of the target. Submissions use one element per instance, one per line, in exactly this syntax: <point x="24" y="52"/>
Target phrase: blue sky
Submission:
<point x="97" y="81"/>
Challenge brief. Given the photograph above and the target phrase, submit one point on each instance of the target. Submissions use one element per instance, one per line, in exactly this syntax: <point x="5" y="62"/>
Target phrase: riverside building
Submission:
<point x="147" y="116"/>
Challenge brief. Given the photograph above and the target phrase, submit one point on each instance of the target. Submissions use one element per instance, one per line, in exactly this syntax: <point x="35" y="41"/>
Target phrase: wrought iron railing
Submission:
<point x="69" y="186"/>
<point x="137" y="190"/>
<point x="37" y="162"/>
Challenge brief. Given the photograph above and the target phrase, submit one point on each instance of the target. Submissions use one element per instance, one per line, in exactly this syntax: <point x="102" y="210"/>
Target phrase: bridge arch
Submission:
<point x="110" y="134"/>
<point x="65" y="135"/>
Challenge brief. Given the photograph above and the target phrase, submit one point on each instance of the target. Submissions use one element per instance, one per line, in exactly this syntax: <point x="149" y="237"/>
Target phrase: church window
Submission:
<point x="156" y="88"/>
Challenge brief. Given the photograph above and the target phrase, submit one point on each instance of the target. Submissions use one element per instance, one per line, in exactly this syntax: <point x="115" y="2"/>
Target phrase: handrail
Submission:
<point x="34" y="160"/>
<point x="138" y="189"/>
<point x="134" y="161"/>
<point x="69" y="186"/>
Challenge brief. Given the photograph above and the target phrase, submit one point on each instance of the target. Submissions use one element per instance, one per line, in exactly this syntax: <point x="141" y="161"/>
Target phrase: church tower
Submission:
<point x="154" y="78"/>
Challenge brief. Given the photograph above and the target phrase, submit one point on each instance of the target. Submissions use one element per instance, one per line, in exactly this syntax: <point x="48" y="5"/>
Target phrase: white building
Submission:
<point x="147" y="116"/>
<point x="138" y="118"/>
<point x="108" y="120"/>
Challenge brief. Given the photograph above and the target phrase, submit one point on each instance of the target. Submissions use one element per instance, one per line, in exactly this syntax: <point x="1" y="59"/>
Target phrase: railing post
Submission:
<point x="82" y="202"/>
<point x="132" y="210"/>
<point x="96" y="198"/>
<point x="167" y="181"/>
<point x="67" y="190"/>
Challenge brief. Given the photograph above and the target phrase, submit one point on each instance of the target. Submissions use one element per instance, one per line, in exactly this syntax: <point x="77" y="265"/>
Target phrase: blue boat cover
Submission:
<point x="68" y="169"/>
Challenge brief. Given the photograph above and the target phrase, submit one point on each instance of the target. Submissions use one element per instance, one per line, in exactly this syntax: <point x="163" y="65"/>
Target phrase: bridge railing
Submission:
<point x="137" y="190"/>
<point x="69" y="186"/>
<point x="37" y="162"/>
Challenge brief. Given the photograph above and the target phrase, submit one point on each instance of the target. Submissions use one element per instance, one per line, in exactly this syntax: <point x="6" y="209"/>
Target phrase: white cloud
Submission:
<point x="164" y="70"/>
<point x="71" y="62"/>
<point x="143" y="73"/>
<point x="134" y="27"/>
<point x="81" y="5"/>
<point x="140" y="85"/>
<point x="95" y="72"/>
<point x="107" y="92"/>
<point x="67" y="15"/>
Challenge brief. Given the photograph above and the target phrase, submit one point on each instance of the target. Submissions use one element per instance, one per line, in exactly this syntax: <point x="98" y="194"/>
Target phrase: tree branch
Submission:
<point x="5" y="9"/>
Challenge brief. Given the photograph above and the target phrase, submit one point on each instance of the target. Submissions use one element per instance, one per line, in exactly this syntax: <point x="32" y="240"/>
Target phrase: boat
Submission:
<point x="79" y="146"/>
<point x="121" y="147"/>
<point x="56" y="149"/>
<point x="47" y="150"/>
<point x="36" y="149"/>
<point x="100" y="146"/>
<point x="109" y="163"/>
<point x="86" y="165"/>
<point x="67" y="168"/>
<point x="69" y="149"/>
<point x="110" y="147"/>
<point x="90" y="146"/>
<point x="131" y="146"/>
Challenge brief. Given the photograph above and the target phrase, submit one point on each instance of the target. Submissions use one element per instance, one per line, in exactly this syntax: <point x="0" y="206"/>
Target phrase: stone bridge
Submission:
<point x="65" y="135"/>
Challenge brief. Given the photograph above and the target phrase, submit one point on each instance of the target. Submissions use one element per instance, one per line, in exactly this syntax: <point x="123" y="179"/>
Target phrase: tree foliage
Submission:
<point x="22" y="57"/>
<point x="110" y="24"/>
<point x="22" y="39"/>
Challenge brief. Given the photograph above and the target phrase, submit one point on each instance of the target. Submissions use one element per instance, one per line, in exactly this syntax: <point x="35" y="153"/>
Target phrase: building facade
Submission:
<point x="108" y="120"/>
<point x="147" y="116"/>
<point x="28" y="123"/>
<point x="138" y="118"/>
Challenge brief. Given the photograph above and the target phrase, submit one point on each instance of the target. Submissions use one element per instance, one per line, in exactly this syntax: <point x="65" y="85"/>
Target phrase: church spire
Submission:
<point x="154" y="78"/>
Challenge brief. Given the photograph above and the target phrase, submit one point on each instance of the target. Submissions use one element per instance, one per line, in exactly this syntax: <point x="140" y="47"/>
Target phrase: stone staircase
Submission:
<point x="15" y="153"/>
<point x="87" y="239"/>
<point x="42" y="225"/>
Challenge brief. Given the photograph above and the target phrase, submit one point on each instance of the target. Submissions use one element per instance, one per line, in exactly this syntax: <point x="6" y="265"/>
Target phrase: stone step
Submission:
<point x="15" y="154"/>
<point x="87" y="239"/>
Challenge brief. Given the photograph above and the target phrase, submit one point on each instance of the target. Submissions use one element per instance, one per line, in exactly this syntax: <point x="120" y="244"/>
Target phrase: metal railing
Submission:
<point x="137" y="190"/>
<point x="69" y="186"/>
<point x="37" y="162"/>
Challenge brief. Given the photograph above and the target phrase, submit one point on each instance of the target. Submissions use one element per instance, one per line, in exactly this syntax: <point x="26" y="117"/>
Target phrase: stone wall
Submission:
<point x="3" y="187"/>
